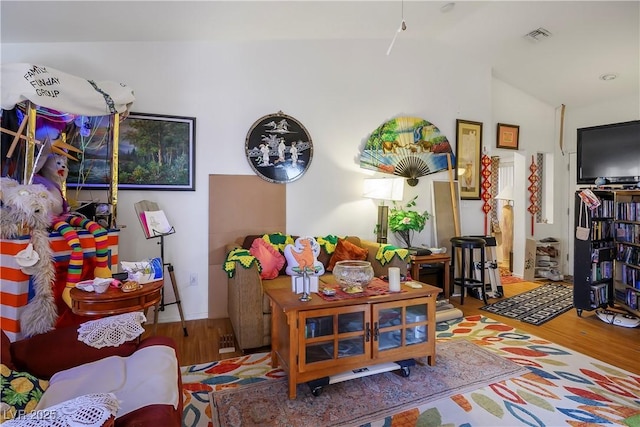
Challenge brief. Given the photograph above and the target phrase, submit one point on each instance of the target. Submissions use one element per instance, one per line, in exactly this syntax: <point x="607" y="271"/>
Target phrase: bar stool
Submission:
<point x="466" y="246"/>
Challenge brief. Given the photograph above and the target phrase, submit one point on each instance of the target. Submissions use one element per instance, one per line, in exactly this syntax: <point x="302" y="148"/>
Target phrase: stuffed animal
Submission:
<point x="303" y="254"/>
<point x="30" y="206"/>
<point x="52" y="174"/>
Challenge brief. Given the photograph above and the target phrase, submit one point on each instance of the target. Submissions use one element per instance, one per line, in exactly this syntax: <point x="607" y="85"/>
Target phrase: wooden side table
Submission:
<point x="115" y="301"/>
<point x="444" y="259"/>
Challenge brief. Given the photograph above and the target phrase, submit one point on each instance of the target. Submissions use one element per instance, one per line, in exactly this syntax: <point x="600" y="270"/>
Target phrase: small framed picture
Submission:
<point x="508" y="136"/>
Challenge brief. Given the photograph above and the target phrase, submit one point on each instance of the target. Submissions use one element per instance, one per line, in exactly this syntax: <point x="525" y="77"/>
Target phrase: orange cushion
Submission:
<point x="345" y="250"/>
<point x="270" y="259"/>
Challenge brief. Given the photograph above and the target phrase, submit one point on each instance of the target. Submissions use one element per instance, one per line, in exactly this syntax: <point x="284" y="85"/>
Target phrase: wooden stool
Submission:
<point x="465" y="246"/>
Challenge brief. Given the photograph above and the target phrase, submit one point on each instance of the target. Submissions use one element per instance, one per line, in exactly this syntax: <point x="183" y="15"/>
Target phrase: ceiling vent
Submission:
<point x="538" y="35"/>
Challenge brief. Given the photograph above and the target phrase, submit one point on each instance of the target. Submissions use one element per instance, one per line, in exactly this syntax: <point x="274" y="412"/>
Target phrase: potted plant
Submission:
<point x="404" y="221"/>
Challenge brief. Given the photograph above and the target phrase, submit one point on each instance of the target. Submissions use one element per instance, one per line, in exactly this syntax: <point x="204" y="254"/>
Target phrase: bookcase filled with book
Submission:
<point x="594" y="254"/>
<point x="627" y="250"/>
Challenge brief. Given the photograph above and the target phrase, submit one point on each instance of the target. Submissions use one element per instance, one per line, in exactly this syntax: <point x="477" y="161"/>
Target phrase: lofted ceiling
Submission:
<point x="588" y="38"/>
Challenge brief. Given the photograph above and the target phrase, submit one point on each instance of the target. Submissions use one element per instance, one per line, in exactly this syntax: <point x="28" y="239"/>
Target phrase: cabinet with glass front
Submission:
<point x="318" y="339"/>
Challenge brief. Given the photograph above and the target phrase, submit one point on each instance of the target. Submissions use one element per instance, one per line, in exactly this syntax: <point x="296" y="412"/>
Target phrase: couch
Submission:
<point x="60" y="351"/>
<point x="249" y="307"/>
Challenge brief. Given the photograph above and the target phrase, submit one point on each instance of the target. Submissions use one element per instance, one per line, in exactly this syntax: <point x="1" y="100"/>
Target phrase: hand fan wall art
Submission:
<point x="409" y="147"/>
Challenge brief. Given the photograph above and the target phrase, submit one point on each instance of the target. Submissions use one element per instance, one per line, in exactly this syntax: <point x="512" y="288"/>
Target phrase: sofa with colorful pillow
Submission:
<point x="256" y="262"/>
<point x="95" y="376"/>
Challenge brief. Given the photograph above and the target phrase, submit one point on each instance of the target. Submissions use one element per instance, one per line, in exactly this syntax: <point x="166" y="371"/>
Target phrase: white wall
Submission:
<point x="538" y="133"/>
<point x="339" y="90"/>
<point x="614" y="111"/>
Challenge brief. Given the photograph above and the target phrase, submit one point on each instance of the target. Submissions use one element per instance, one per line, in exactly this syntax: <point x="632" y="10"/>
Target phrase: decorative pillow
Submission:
<point x="303" y="254"/>
<point x="270" y="259"/>
<point x="345" y="250"/>
<point x="21" y="392"/>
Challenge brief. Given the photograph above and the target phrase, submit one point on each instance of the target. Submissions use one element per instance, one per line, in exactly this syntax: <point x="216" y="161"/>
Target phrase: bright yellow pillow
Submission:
<point x="20" y="392"/>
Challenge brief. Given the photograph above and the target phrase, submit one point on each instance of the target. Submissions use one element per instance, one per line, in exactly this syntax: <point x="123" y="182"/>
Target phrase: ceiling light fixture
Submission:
<point x="608" y="76"/>
<point x="402" y="27"/>
<point x="538" y="34"/>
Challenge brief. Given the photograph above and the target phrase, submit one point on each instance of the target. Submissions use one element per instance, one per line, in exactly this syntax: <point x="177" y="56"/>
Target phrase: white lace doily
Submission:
<point x="112" y="331"/>
<point x="85" y="411"/>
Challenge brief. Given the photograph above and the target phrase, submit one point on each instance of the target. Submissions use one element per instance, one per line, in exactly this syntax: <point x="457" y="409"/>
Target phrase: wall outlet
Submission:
<point x="193" y="279"/>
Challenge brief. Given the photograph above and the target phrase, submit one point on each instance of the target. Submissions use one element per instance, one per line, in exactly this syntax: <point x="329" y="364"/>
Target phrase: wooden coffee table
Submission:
<point x="316" y="339"/>
<point x="115" y="301"/>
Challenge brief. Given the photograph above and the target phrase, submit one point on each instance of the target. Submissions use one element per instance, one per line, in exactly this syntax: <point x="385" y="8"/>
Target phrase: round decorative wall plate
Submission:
<point x="279" y="148"/>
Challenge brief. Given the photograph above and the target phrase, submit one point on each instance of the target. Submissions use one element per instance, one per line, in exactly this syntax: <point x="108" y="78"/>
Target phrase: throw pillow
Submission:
<point x="270" y="259"/>
<point x="21" y="392"/>
<point x="345" y="250"/>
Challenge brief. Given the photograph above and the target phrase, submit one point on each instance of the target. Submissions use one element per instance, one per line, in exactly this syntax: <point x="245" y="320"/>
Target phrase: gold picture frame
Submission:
<point x="508" y="136"/>
<point x="468" y="158"/>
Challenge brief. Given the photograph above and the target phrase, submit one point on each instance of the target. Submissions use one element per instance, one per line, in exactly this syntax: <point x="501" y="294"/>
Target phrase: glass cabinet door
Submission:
<point x="331" y="334"/>
<point x="416" y="322"/>
<point x="397" y="325"/>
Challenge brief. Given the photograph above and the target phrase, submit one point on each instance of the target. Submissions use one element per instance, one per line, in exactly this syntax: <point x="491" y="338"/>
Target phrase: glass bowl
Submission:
<point x="353" y="276"/>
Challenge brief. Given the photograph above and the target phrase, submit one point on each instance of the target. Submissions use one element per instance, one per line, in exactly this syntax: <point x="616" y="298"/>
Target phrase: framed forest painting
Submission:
<point x="155" y="152"/>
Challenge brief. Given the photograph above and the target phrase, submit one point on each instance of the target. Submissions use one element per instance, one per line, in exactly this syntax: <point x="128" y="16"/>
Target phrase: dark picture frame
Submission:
<point x="279" y="148"/>
<point x="508" y="136"/>
<point x="155" y="152"/>
<point x="468" y="158"/>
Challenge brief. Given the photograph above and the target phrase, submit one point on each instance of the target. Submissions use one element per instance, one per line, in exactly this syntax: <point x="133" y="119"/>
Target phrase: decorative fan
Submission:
<point x="409" y="147"/>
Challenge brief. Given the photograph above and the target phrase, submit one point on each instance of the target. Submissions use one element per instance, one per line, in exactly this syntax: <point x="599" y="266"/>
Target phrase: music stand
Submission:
<point x="147" y="206"/>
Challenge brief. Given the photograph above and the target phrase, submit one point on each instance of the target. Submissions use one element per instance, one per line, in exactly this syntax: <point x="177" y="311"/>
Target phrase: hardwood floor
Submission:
<point x="615" y="345"/>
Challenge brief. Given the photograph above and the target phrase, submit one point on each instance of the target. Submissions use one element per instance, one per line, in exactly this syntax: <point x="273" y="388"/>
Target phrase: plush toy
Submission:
<point x="30" y="206"/>
<point x="52" y="174"/>
<point x="303" y="254"/>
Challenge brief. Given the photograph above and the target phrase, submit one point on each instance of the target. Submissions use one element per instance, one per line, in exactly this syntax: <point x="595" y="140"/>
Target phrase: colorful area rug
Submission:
<point x="508" y="280"/>
<point x="562" y="388"/>
<point x="460" y="366"/>
<point x="536" y="306"/>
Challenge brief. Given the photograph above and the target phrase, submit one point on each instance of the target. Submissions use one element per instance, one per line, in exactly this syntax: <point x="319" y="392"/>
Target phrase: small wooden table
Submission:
<point x="115" y="301"/>
<point x="444" y="259"/>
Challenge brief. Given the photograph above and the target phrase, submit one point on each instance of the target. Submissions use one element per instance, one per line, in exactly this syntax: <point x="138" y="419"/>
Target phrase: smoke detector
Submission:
<point x="538" y="35"/>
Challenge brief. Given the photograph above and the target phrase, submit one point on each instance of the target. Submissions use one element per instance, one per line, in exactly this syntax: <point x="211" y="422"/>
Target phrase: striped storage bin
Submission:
<point x="15" y="287"/>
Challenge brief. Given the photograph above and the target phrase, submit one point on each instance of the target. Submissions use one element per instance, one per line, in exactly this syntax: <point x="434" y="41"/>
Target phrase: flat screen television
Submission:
<point x="609" y="151"/>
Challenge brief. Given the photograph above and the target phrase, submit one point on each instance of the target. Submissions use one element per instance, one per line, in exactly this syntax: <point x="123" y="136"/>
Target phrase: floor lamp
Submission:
<point x="506" y="194"/>
<point x="383" y="189"/>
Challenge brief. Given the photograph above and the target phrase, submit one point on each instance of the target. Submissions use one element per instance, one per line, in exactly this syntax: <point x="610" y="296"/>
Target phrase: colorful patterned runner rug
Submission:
<point x="536" y="306"/>
<point x="460" y="366"/>
<point x="562" y="387"/>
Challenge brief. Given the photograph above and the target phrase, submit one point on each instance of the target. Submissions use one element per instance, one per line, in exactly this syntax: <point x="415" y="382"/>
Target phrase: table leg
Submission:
<point x="447" y="291"/>
<point x="415" y="271"/>
<point x="156" y="309"/>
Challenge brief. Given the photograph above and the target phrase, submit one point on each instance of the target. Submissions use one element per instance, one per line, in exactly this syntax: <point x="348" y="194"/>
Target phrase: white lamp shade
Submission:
<point x="506" y="193"/>
<point x="384" y="188"/>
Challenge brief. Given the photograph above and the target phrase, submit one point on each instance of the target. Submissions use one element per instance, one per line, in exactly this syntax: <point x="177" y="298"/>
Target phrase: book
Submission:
<point x="156" y="223"/>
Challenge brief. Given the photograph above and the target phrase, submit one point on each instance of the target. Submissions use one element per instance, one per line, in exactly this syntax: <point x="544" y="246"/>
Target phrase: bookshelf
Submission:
<point x="607" y="264"/>
<point x="594" y="258"/>
<point x="627" y="246"/>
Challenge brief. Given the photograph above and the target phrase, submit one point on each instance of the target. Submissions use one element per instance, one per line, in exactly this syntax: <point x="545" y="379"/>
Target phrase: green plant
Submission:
<point x="404" y="221"/>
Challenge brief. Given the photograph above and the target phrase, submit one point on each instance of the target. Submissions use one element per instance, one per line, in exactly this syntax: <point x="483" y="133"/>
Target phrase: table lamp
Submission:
<point x="383" y="189"/>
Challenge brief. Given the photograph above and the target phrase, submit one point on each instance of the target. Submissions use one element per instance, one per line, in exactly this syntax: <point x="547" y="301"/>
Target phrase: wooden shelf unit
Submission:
<point x="626" y="283"/>
<point x="607" y="266"/>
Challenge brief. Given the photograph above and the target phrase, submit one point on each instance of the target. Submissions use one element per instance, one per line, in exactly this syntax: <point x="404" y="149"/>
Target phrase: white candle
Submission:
<point x="394" y="279"/>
